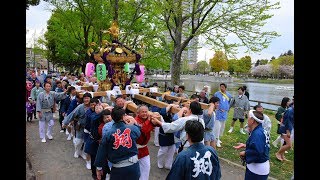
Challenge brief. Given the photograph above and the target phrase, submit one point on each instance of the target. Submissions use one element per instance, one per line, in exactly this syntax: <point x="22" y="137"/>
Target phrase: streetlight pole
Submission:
<point x="34" y="58"/>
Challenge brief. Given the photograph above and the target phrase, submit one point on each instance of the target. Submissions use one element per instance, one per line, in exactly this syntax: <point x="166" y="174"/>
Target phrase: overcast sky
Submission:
<point x="282" y="22"/>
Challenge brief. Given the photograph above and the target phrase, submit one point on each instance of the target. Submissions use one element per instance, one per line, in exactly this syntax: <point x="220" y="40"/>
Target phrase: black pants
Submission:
<point x="105" y="169"/>
<point x="35" y="113"/>
<point x="60" y="121"/>
<point x="29" y="116"/>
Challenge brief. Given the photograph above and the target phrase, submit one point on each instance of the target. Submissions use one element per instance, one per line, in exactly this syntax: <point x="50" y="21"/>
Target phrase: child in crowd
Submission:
<point x="30" y="106"/>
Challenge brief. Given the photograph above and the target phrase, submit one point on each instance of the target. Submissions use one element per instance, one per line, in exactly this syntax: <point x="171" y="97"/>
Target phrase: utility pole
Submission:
<point x="34" y="58"/>
<point x="34" y="54"/>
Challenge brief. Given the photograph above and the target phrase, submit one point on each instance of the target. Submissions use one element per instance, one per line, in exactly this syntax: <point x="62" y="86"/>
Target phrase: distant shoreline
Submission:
<point x="221" y="79"/>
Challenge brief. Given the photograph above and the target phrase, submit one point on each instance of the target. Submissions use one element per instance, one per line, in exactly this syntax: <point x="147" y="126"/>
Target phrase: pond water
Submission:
<point x="272" y="93"/>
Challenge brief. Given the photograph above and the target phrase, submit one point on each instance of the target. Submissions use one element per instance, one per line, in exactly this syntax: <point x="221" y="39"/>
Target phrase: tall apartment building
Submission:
<point x="190" y="53"/>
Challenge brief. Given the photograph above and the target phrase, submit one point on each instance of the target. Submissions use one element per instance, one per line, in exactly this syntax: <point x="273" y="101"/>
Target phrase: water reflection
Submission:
<point x="258" y="91"/>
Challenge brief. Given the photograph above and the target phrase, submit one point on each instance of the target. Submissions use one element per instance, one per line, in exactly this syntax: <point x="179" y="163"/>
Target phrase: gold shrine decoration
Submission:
<point x="113" y="30"/>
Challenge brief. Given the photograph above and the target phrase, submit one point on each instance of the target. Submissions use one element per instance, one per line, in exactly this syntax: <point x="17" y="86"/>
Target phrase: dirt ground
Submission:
<point x="54" y="159"/>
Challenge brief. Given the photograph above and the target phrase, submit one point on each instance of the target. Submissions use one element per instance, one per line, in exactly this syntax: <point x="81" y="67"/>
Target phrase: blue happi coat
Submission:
<point x="288" y="121"/>
<point x="80" y="114"/>
<point x="91" y="138"/>
<point x="222" y="111"/>
<point x="257" y="146"/>
<point x="196" y="162"/>
<point x="124" y="148"/>
<point x="209" y="123"/>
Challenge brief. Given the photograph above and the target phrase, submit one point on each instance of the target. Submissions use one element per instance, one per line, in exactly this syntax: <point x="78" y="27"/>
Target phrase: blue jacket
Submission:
<point x="222" y="111"/>
<point x="257" y="146"/>
<point x="92" y="123"/>
<point x="73" y="104"/>
<point x="80" y="113"/>
<point x="288" y="120"/>
<point x="65" y="104"/>
<point x="196" y="162"/>
<point x="113" y="147"/>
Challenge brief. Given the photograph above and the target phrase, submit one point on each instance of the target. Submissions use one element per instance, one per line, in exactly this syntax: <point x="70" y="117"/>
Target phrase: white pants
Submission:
<point x="156" y="136"/>
<point x="218" y="128"/>
<point x="165" y="156"/>
<point x="292" y="136"/>
<point x="77" y="146"/>
<point x="42" y="128"/>
<point x="144" y="164"/>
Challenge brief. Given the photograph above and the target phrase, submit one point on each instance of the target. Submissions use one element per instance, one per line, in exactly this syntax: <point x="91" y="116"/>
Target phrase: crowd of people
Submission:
<point x="113" y="140"/>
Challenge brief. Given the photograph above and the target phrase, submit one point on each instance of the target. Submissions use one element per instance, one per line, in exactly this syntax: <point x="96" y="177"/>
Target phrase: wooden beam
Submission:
<point x="183" y="100"/>
<point x="155" y="102"/>
<point x="87" y="88"/>
<point x="104" y="93"/>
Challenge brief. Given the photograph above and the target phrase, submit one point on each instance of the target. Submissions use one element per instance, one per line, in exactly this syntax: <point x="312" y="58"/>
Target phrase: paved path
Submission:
<point x="54" y="159"/>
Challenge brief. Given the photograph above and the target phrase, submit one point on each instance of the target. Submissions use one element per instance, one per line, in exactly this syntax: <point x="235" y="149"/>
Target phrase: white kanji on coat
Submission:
<point x="203" y="165"/>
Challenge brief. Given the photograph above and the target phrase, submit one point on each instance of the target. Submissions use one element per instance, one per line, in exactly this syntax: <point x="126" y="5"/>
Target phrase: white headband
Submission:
<point x="255" y="118"/>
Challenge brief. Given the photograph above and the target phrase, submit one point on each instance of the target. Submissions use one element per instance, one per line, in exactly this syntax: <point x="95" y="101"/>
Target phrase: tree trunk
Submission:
<point x="176" y="61"/>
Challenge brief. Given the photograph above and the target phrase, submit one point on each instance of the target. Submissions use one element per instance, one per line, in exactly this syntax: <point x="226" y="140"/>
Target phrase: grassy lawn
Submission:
<point x="276" y="81"/>
<point x="278" y="170"/>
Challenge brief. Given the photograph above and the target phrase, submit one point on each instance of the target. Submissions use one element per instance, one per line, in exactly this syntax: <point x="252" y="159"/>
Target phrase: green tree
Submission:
<point x="233" y="66"/>
<point x="286" y="60"/>
<point x="31" y="3"/>
<point x="216" y="19"/>
<point x="257" y="63"/>
<point x="263" y="61"/>
<point x="219" y="62"/>
<point x="245" y="64"/>
<point x="202" y="67"/>
<point x="289" y="53"/>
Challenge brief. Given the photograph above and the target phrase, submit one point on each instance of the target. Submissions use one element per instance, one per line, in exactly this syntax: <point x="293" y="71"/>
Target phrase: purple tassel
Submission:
<point x="110" y="71"/>
<point x="137" y="69"/>
<point x="104" y="56"/>
<point x="138" y="57"/>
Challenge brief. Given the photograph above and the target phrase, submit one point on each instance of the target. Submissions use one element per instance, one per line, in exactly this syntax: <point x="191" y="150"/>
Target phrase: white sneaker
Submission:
<point x="61" y="131"/>
<point x="218" y="144"/>
<point x="43" y="140"/>
<point x="160" y="167"/>
<point x="107" y="176"/>
<point x="67" y="132"/>
<point x="286" y="152"/>
<point x="69" y="137"/>
<point x="230" y="130"/>
<point x="83" y="156"/>
<point x="49" y="136"/>
<point x="88" y="165"/>
<point x="76" y="155"/>
<point x="241" y="131"/>
<point x="219" y="141"/>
